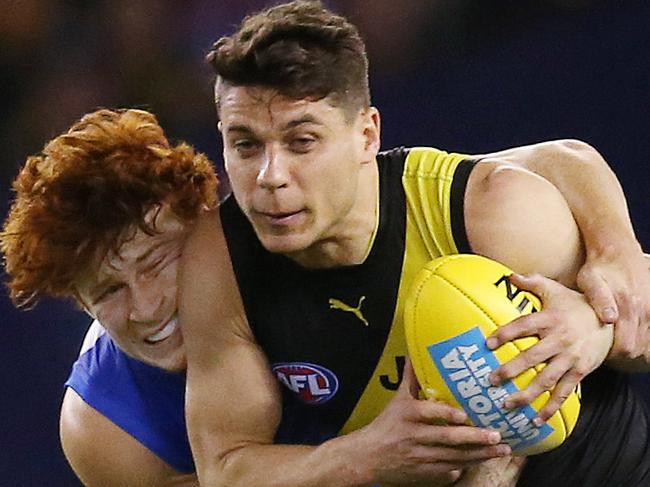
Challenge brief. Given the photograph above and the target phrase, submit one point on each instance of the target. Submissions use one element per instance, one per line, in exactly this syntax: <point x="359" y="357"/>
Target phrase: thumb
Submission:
<point x="599" y="295"/>
<point x="410" y="386"/>
<point x="540" y="286"/>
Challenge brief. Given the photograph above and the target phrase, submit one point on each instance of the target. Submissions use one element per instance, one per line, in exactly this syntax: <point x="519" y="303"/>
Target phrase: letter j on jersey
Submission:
<point x="313" y="384"/>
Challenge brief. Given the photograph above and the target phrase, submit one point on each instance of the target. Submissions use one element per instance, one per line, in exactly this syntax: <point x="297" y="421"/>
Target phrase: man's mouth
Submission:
<point x="164" y="332"/>
<point x="281" y="218"/>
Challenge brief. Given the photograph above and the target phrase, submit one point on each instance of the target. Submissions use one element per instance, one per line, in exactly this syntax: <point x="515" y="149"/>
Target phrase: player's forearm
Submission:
<point x="335" y="463"/>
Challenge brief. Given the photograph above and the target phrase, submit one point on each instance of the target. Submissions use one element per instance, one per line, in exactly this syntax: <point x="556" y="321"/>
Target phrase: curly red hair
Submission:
<point x="87" y="186"/>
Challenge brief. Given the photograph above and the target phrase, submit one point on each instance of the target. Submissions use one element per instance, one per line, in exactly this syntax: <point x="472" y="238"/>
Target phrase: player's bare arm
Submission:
<point x="612" y="277"/>
<point x="234" y="407"/>
<point x="103" y="455"/>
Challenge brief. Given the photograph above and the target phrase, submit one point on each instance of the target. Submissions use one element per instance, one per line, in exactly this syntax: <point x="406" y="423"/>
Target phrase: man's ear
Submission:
<point x="219" y="126"/>
<point x="371" y="126"/>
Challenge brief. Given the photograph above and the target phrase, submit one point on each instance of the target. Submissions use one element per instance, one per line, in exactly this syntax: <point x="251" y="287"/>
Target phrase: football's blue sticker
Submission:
<point x="465" y="364"/>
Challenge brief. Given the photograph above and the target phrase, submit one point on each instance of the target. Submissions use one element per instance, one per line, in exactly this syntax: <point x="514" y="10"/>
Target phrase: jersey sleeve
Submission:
<point x="434" y="183"/>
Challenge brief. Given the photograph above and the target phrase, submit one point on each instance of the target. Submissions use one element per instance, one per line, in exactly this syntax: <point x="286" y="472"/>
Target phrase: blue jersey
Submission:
<point x="145" y="401"/>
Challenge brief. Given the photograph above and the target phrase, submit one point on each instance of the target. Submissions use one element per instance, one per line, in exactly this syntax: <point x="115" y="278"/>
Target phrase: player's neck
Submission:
<point x="350" y="240"/>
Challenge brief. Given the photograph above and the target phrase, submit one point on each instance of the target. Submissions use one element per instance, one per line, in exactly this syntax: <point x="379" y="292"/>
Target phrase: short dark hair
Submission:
<point x="300" y="49"/>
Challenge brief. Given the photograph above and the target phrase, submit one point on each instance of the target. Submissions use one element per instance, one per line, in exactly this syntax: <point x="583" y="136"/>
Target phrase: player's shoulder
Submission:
<point x="432" y="162"/>
<point x="100" y="452"/>
<point x="96" y="362"/>
<point x="79" y="422"/>
<point x="89" y="440"/>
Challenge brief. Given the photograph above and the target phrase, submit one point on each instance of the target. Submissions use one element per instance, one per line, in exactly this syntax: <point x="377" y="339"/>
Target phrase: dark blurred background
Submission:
<point x="461" y="75"/>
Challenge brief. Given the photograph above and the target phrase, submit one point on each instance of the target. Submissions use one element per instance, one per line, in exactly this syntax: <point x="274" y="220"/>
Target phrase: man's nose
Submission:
<point x="274" y="171"/>
<point x="146" y="303"/>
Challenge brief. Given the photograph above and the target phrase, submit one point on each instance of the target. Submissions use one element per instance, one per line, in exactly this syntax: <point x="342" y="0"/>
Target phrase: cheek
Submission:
<point x="240" y="171"/>
<point x="341" y="200"/>
<point x="168" y="281"/>
<point x="113" y="316"/>
<point x="337" y="185"/>
<point x="244" y="187"/>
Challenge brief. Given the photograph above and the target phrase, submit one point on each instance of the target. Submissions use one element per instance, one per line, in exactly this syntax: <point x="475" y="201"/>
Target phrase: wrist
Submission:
<point x="355" y="463"/>
<point x="610" y="245"/>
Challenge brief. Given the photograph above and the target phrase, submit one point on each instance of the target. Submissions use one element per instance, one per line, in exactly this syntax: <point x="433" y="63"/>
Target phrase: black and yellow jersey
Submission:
<point x="334" y="337"/>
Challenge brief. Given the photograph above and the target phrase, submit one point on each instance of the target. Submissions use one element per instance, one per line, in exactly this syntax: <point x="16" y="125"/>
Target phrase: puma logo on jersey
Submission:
<point x="336" y="304"/>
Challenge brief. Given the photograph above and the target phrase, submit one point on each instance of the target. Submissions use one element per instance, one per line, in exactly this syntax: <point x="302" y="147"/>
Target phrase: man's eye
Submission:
<point x="108" y="292"/>
<point x="113" y="289"/>
<point x="246" y="147"/>
<point x="302" y="144"/>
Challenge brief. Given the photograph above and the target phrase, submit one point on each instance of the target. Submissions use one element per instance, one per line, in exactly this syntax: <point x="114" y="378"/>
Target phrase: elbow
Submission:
<point x="226" y="470"/>
<point x="213" y="471"/>
<point x="213" y="477"/>
<point x="576" y="151"/>
<point x="501" y="181"/>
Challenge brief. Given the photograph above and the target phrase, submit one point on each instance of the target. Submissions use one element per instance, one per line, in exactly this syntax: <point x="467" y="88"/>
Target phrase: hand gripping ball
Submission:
<point x="454" y="303"/>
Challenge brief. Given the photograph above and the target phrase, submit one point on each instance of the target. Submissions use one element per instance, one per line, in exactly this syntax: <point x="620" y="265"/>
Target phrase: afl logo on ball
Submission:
<point x="312" y="383"/>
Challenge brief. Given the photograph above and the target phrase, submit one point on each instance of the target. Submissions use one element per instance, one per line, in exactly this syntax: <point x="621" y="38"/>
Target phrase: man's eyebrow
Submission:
<point x="308" y="118"/>
<point x="305" y="119"/>
<point x="96" y="290"/>
<point x="240" y="128"/>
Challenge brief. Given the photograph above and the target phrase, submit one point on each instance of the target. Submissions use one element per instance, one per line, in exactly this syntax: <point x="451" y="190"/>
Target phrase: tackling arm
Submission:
<point x="588" y="185"/>
<point x="233" y="405"/>
<point x="613" y="277"/>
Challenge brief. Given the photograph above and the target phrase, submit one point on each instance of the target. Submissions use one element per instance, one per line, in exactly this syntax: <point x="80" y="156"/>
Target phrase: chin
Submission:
<point x="285" y="244"/>
<point x="168" y="355"/>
